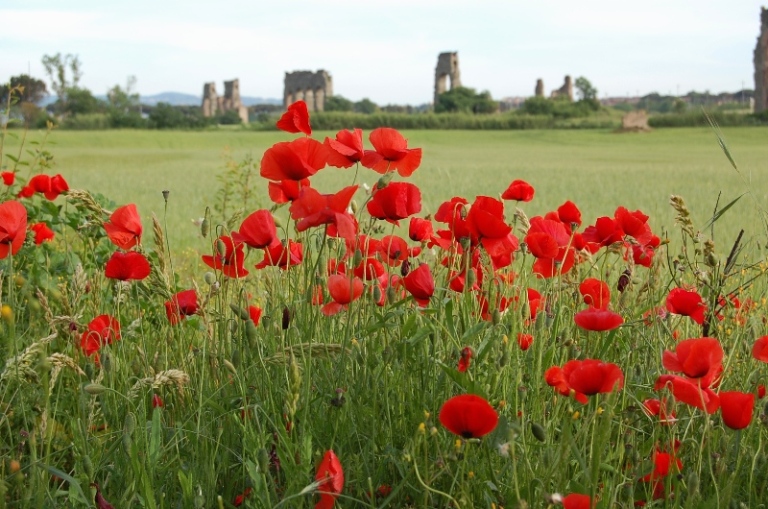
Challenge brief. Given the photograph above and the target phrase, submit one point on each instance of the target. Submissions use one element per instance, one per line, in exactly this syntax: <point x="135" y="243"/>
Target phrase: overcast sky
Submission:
<point x="387" y="51"/>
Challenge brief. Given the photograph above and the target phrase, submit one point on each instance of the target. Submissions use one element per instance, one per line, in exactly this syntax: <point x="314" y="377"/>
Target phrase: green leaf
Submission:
<point x="722" y="211"/>
<point x="74" y="485"/>
<point x="155" y="438"/>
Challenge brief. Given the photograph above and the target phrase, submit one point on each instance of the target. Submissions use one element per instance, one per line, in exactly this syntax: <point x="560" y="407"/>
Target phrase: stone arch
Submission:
<point x="309" y="98"/>
<point x="447" y="69"/>
<point x="319" y="99"/>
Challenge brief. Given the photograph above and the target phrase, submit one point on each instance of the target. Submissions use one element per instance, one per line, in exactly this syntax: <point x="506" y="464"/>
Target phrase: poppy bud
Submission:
<point x="624" y="280"/>
<point x="95" y="389"/>
<point x="496" y="317"/>
<point x="87" y="465"/>
<point x="209" y="278"/>
<point x="358" y="258"/>
<point x="205" y="227"/>
<point x="377" y="293"/>
<point x="471" y="279"/>
<point x="242" y="313"/>
<point x="539" y="432"/>
<point x="405" y="268"/>
<point x="353" y="206"/>
<point x="286" y="318"/>
<point x="693" y="484"/>
<point x="391" y="295"/>
<point x="220" y="248"/>
<point x="166" y="193"/>
<point x="263" y="459"/>
<point x="384" y="180"/>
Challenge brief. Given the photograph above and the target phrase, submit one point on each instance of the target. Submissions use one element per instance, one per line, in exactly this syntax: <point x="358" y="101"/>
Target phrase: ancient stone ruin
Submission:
<point x="447" y="67"/>
<point x="565" y="91"/>
<point x="311" y="87"/>
<point x="761" y="64"/>
<point x="213" y="104"/>
<point x="539" y="87"/>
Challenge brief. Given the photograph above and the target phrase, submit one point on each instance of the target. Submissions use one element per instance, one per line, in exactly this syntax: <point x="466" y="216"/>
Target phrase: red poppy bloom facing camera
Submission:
<point x="469" y="416"/>
<point x="392" y="153"/>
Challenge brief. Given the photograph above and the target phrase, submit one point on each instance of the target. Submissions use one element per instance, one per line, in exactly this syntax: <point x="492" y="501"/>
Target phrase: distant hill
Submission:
<point x="181" y="99"/>
<point x="177" y="99"/>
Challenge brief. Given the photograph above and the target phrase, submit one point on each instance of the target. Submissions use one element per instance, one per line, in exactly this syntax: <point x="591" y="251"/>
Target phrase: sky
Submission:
<point x="387" y="51"/>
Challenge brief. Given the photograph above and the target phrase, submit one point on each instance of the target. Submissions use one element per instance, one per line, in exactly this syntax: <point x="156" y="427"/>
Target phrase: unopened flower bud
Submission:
<point x="286" y="318"/>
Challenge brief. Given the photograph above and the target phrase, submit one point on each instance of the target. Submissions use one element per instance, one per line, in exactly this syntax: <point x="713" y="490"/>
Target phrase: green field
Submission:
<point x="596" y="169"/>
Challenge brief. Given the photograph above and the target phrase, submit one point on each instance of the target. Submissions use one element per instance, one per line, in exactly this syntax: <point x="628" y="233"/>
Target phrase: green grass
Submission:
<point x="598" y="170"/>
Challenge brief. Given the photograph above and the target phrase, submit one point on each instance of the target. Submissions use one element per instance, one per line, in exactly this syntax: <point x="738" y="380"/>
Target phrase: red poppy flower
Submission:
<point x="258" y="230"/>
<point x="330" y="477"/>
<point x="686" y="303"/>
<point x="486" y="225"/>
<point x="468" y="416"/>
<point x="518" y="190"/>
<point x="295" y="119"/>
<point x="346" y="149"/>
<point x="283" y="255"/>
<point x="760" y="391"/>
<point x="569" y="214"/>
<point x="524" y="341"/>
<point x="595" y="292"/>
<point x="99" y="500"/>
<point x="393" y="250"/>
<point x="606" y="231"/>
<point x="420" y="284"/>
<point x="254" y="313"/>
<point x="420" y="230"/>
<point x="397" y="200"/>
<point x="634" y="224"/>
<point x="655" y="407"/>
<point x="577" y="501"/>
<point x="42" y="233"/>
<point x="102" y="330"/>
<point x="596" y="319"/>
<point x="157" y="401"/>
<point x="343" y="290"/>
<point x="737" y="408"/>
<point x="550" y="242"/>
<point x="370" y="269"/>
<point x="314" y="209"/>
<point x="465" y="359"/>
<point x="391" y="153"/>
<point x="124" y="227"/>
<point x="700" y="359"/>
<point x="126" y="266"/>
<point x="230" y="262"/>
<point x="242" y="496"/>
<point x="286" y="190"/>
<point x="50" y="187"/>
<point x="585" y="378"/>
<point x="760" y="349"/>
<point x="293" y="160"/>
<point x="689" y="392"/>
<point x="535" y="302"/>
<point x="8" y="177"/>
<point x="181" y="305"/>
<point x="663" y="465"/>
<point x="13" y="227"/>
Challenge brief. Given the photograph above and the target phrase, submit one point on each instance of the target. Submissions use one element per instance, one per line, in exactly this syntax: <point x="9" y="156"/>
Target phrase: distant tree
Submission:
<point x="338" y="103"/>
<point x="366" y="106"/>
<point x="679" y="106"/>
<point x="465" y="100"/>
<point x="64" y="73"/>
<point x="80" y="101"/>
<point x="28" y="89"/>
<point x="166" y="116"/>
<point x="123" y="105"/>
<point x="230" y="117"/>
<point x="584" y="88"/>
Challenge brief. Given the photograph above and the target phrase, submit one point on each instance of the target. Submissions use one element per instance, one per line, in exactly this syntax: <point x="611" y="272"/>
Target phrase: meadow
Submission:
<point x="596" y="169"/>
<point x="473" y="356"/>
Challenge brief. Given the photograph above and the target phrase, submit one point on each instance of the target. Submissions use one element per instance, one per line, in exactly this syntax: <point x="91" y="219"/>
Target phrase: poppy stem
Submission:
<point x="433" y="490"/>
